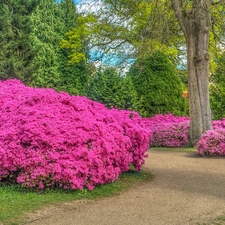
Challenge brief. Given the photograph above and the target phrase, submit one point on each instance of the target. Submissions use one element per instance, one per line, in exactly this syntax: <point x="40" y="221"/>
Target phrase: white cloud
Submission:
<point x="89" y="5"/>
<point x="121" y="55"/>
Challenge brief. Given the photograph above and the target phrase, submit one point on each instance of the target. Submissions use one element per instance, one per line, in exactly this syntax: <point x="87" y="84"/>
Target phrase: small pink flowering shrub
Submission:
<point x="218" y="124"/>
<point x="172" y="131"/>
<point x="53" y="139"/>
<point x="212" y="143"/>
<point x="168" y="130"/>
<point x="170" y="135"/>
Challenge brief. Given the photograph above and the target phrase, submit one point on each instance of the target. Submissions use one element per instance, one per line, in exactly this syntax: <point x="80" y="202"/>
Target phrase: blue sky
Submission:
<point x="77" y="1"/>
<point x="83" y="1"/>
<point x="111" y="59"/>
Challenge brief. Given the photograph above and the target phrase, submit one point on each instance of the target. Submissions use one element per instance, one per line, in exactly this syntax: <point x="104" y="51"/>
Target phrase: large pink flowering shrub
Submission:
<point x="53" y="139"/>
<point x="168" y="130"/>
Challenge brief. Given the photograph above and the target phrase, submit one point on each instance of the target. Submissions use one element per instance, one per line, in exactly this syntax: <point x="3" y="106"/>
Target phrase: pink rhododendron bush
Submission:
<point x="212" y="143"/>
<point x="53" y="139"/>
<point x="168" y="130"/>
<point x="172" y="131"/>
<point x="218" y="124"/>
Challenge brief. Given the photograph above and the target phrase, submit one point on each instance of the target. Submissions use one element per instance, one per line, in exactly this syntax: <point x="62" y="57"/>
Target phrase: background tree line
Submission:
<point x="30" y="36"/>
<point x="46" y="44"/>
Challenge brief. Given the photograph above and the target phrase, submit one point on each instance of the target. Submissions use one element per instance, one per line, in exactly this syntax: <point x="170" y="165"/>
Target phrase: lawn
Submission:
<point x="174" y="149"/>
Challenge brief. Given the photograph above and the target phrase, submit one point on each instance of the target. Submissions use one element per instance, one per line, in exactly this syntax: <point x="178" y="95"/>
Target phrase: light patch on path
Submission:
<point x="185" y="190"/>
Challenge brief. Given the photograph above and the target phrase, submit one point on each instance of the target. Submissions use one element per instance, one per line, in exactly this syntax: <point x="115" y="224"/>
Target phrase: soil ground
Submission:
<point x="186" y="189"/>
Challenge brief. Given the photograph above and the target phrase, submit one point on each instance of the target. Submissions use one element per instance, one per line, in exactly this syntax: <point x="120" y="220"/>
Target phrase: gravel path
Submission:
<point x="185" y="189"/>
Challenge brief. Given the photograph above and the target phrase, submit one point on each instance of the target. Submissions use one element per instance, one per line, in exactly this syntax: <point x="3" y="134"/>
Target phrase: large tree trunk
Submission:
<point x="196" y="26"/>
<point x="198" y="84"/>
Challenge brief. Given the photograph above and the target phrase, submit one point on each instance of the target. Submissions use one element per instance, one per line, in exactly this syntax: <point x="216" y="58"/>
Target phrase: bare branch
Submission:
<point x="216" y="3"/>
<point x="178" y="9"/>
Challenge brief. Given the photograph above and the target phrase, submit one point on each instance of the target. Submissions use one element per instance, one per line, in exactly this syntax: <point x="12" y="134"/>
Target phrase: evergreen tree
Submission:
<point x="111" y="89"/>
<point x="73" y="76"/>
<point x="51" y="20"/>
<point x="46" y="41"/>
<point x="15" y="41"/>
<point x="158" y="86"/>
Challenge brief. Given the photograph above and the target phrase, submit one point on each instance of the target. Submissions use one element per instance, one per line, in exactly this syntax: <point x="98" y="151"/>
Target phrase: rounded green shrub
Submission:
<point x="158" y="85"/>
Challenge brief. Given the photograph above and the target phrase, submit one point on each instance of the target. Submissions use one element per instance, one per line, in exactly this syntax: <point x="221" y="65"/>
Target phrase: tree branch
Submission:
<point x="178" y="9"/>
<point x="216" y="3"/>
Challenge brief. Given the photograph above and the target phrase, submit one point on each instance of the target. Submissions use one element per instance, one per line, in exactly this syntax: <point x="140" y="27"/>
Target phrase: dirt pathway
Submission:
<point x="185" y="190"/>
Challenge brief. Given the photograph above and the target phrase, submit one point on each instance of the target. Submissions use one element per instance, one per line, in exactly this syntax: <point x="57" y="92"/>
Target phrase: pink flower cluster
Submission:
<point x="53" y="139"/>
<point x="172" y="131"/>
<point x="212" y="143"/>
<point x="218" y="124"/>
<point x="168" y="130"/>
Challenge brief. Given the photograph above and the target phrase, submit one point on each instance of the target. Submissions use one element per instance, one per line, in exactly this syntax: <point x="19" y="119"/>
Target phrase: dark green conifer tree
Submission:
<point x="51" y="20"/>
<point x="16" y="52"/>
<point x="158" y="86"/>
<point x="110" y="88"/>
<point x="73" y="76"/>
<point x="46" y="42"/>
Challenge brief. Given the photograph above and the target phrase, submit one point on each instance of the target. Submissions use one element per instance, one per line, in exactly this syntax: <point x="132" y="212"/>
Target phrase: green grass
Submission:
<point x="174" y="149"/>
<point x="15" y="200"/>
<point x="218" y="221"/>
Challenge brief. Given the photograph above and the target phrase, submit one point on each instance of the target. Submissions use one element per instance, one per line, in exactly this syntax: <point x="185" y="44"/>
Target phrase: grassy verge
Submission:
<point x="174" y="149"/>
<point x="15" y="201"/>
<point x="218" y="221"/>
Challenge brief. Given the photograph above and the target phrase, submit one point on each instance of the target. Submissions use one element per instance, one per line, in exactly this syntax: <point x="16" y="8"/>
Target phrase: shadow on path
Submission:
<point x="185" y="189"/>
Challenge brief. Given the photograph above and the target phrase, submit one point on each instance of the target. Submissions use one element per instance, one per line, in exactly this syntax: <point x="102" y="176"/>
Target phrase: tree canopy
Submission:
<point x="133" y="28"/>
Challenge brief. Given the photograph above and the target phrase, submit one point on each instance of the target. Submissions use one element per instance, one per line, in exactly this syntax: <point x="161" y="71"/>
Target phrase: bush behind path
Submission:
<point x="172" y="131"/>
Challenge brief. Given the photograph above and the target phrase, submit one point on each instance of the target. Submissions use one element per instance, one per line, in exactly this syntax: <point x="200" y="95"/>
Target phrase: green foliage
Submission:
<point x="46" y="40"/>
<point x="128" y="29"/>
<point x="182" y="73"/>
<point x="74" y="76"/>
<point x="50" y="22"/>
<point x="158" y="86"/>
<point x="217" y="89"/>
<point x="111" y="89"/>
<point x="31" y="32"/>
<point x="15" y="41"/>
<point x="75" y="38"/>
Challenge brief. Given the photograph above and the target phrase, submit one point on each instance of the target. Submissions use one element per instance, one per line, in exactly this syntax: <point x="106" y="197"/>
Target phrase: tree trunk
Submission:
<point x="196" y="27"/>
